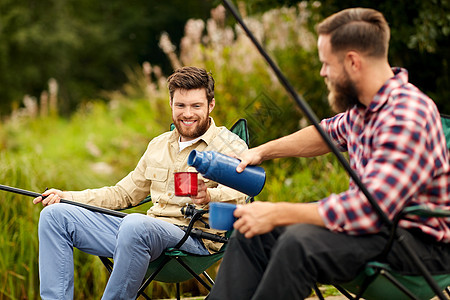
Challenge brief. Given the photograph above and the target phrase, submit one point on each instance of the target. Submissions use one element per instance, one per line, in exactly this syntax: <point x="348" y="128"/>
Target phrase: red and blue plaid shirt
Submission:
<point x="397" y="148"/>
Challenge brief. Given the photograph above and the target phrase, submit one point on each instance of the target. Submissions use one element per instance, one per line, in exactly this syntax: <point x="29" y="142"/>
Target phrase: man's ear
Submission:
<point x="211" y="105"/>
<point x="353" y="61"/>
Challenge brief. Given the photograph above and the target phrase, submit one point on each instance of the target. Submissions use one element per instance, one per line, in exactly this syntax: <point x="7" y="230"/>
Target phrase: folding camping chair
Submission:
<point x="379" y="281"/>
<point x="175" y="265"/>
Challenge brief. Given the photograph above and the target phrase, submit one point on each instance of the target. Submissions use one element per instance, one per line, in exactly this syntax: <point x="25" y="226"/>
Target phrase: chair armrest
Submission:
<point x="421" y="211"/>
<point x="197" y="215"/>
<point x="425" y="212"/>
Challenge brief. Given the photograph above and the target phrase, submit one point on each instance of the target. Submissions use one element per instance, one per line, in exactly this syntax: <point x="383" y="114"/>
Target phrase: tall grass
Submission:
<point x="101" y="142"/>
<point x="45" y="152"/>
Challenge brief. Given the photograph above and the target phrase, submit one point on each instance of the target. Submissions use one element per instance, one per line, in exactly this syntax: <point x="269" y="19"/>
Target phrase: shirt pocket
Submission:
<point x="158" y="177"/>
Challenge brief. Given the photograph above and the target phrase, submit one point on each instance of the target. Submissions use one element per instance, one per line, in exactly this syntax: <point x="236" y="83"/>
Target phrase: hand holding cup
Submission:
<point x="221" y="215"/>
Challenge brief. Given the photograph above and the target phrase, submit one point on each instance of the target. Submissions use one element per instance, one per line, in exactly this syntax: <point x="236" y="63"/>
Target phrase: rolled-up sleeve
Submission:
<point x="336" y="129"/>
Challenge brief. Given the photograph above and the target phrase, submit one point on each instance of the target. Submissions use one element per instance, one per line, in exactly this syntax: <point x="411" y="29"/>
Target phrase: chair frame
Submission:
<point x="382" y="269"/>
<point x="176" y="254"/>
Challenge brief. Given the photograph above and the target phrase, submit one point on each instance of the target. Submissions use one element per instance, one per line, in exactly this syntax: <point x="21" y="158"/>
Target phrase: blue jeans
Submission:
<point x="132" y="242"/>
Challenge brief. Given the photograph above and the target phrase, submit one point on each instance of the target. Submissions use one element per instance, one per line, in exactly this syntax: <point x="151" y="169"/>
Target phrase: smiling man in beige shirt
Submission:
<point x="137" y="239"/>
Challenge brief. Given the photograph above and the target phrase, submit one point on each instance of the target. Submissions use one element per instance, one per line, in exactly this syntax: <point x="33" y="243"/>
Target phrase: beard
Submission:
<point x="342" y="93"/>
<point x="192" y="133"/>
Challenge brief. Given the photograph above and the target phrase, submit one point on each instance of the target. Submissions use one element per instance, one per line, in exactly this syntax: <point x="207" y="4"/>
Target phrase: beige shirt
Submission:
<point x="154" y="175"/>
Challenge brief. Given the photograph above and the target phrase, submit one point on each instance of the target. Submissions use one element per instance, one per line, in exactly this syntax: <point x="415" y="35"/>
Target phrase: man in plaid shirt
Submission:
<point x="394" y="138"/>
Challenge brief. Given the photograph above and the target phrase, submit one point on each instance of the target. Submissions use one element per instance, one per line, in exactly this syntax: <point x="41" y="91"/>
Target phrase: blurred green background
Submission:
<point x="83" y="90"/>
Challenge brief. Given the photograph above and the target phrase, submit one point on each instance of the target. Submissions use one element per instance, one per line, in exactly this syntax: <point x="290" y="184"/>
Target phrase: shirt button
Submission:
<point x="169" y="194"/>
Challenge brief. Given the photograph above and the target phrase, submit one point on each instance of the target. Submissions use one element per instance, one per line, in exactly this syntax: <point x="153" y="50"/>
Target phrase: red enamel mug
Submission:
<point x="186" y="184"/>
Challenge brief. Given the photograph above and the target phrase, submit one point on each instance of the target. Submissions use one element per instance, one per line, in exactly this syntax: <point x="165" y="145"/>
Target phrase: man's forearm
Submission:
<point x="306" y="142"/>
<point x="261" y="217"/>
<point x="293" y="213"/>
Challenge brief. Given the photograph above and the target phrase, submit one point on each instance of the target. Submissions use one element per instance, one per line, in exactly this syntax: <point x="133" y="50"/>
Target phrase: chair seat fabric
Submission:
<point x="382" y="288"/>
<point x="174" y="272"/>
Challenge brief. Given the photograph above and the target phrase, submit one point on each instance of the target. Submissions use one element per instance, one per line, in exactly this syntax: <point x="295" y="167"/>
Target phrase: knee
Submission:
<point x="51" y="214"/>
<point x="238" y="238"/>
<point x="133" y="225"/>
<point x="53" y="218"/>
<point x="236" y="235"/>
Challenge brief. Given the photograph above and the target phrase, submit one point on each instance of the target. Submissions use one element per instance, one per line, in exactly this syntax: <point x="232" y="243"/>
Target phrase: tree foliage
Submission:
<point x="85" y="45"/>
<point x="420" y="32"/>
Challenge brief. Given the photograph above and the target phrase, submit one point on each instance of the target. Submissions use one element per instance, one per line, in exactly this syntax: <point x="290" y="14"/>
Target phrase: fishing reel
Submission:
<point x="190" y="212"/>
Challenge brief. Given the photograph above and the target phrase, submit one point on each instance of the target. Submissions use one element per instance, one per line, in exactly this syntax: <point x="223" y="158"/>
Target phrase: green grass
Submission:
<point x="40" y="153"/>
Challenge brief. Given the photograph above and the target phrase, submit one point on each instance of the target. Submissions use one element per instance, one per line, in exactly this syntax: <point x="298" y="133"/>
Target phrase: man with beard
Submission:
<point x="394" y="138"/>
<point x="137" y="239"/>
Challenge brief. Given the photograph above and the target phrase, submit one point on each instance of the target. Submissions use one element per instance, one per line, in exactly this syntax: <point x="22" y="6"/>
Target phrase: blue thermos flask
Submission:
<point x="222" y="169"/>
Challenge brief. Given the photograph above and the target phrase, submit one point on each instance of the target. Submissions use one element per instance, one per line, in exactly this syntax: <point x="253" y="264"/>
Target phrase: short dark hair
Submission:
<point x="360" y="29"/>
<point x="190" y="78"/>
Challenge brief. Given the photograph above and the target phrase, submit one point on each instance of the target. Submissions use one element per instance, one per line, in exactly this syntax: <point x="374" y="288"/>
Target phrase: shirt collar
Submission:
<point x="400" y="78"/>
<point x="207" y="137"/>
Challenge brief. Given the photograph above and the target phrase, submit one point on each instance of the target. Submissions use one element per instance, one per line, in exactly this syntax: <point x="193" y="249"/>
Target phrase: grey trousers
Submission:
<point x="285" y="263"/>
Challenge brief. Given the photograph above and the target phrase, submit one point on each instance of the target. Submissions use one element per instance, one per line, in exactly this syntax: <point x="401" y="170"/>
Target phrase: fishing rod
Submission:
<point x="403" y="240"/>
<point x="192" y="231"/>
<point x="90" y="207"/>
